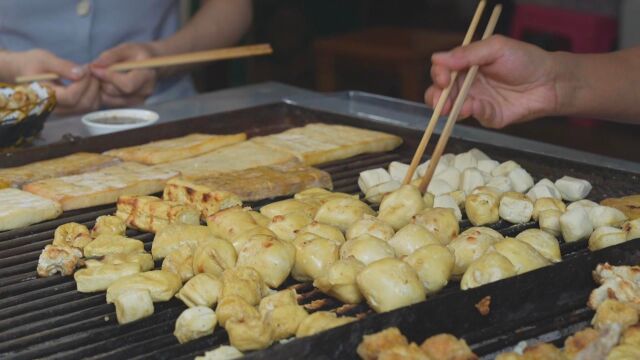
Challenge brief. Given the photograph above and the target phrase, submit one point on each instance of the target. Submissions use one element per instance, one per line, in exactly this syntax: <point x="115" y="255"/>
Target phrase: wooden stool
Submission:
<point x="404" y="54"/>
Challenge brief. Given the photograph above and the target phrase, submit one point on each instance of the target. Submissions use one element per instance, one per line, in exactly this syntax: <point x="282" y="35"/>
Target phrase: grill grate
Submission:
<point x="47" y="317"/>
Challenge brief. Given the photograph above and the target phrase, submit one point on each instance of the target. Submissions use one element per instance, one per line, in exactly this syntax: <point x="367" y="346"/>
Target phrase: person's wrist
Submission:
<point x="566" y="82"/>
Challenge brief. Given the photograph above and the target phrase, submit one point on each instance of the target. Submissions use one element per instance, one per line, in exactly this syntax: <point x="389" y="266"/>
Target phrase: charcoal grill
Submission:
<point x="48" y="318"/>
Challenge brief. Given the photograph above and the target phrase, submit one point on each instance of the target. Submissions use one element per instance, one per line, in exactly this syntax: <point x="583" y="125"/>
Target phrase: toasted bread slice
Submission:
<point x="184" y="147"/>
<point x="320" y="143"/>
<point x="19" y="208"/>
<point x="234" y="157"/>
<point x="67" y="165"/>
<point x="103" y="186"/>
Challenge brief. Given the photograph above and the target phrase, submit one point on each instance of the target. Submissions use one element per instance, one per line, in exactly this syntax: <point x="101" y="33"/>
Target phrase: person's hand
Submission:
<point x="80" y="95"/>
<point x="126" y="88"/>
<point x="516" y="81"/>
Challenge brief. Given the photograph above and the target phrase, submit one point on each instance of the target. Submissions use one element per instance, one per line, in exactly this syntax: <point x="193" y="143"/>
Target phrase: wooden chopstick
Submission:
<point x="171" y="60"/>
<point x="435" y="116"/>
<point x="457" y="106"/>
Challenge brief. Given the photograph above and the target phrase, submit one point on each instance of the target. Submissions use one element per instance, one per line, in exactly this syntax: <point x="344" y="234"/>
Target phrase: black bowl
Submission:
<point x="13" y="134"/>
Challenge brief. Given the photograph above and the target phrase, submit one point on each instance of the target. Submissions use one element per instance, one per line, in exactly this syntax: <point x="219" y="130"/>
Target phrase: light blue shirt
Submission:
<point x="79" y="30"/>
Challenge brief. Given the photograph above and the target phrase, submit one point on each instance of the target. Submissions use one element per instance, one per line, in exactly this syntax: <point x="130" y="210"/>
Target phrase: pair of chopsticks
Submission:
<point x="457" y="106"/>
<point x="171" y="60"/>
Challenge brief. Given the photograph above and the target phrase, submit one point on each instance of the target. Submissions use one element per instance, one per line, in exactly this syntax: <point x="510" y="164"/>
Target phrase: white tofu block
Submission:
<point x="521" y="180"/>
<point x="632" y="228"/>
<point x="448" y="202"/>
<point x="515" y="208"/>
<point x="448" y="159"/>
<point x="549" y="221"/>
<point x="452" y="176"/>
<point x="573" y="189"/>
<point x="505" y="168"/>
<point x="471" y="178"/>
<point x="487" y="165"/>
<point x="585" y="204"/>
<point x="439" y="187"/>
<point x="422" y="169"/>
<point x="373" y="177"/>
<point x="540" y="191"/>
<point x="133" y="305"/>
<point x="606" y="236"/>
<point x="478" y="154"/>
<point x="502" y="183"/>
<point x="459" y="196"/>
<point x="575" y="225"/>
<point x="606" y="216"/>
<point x="374" y="194"/>
<point x="398" y="171"/>
<point x="465" y="161"/>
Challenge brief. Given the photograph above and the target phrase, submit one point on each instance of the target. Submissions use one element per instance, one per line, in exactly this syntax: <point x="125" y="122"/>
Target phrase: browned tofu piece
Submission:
<point x="447" y="347"/>
<point x="206" y="199"/>
<point x="372" y="345"/>
<point x="320" y="143"/>
<point x="184" y="147"/>
<point x="63" y="166"/>
<point x="103" y="186"/>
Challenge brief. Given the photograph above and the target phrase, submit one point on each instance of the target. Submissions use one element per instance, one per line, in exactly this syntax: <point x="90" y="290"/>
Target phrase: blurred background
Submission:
<point x="384" y="47"/>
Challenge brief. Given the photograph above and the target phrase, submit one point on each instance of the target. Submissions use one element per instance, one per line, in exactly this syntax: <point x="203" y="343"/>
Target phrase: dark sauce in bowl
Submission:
<point x="119" y="120"/>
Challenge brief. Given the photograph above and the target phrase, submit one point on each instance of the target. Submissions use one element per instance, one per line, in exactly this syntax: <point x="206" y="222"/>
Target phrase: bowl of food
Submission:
<point x="108" y="121"/>
<point x="23" y="111"/>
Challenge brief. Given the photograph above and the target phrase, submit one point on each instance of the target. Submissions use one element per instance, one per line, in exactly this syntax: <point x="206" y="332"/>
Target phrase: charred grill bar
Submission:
<point x="47" y="317"/>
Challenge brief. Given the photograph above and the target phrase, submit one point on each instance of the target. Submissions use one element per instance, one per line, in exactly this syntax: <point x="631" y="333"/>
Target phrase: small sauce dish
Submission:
<point x="108" y="121"/>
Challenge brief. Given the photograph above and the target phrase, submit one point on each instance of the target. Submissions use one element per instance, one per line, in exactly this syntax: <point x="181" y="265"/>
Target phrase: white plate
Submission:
<point x="94" y="122"/>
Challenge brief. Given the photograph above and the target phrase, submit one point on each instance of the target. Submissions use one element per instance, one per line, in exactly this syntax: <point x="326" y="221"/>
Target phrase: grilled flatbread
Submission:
<point x="234" y="157"/>
<point x="19" y="208"/>
<point x="163" y="151"/>
<point x="47" y="169"/>
<point x="206" y="200"/>
<point x="321" y="143"/>
<point x="265" y="182"/>
<point x="103" y="186"/>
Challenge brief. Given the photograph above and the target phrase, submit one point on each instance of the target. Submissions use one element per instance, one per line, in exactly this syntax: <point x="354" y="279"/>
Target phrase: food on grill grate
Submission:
<point x="448" y="202"/>
<point x="223" y="352"/>
<point x="320" y="143"/>
<point x="213" y="256"/>
<point x="249" y="333"/>
<point x="549" y="221"/>
<point x="72" y="235"/>
<point x="286" y="226"/>
<point x="544" y="188"/>
<point x="342" y="212"/>
<point x="194" y="323"/>
<point x="632" y="228"/>
<point x="180" y="262"/>
<point x="271" y="257"/>
<point x="371" y="225"/>
<point x="339" y="281"/>
<point x="201" y="290"/>
<point x="398" y="207"/>
<point x="112" y="244"/>
<point x="373" y="177"/>
<point x="321" y="321"/>
<point x="132" y="305"/>
<point x="372" y="346"/>
<point x="232" y="222"/>
<point x="391" y="344"/>
<point x="482" y="208"/>
<point x="573" y="189"/>
<point x="174" y="236"/>
<point x="470" y="245"/>
<point x="523" y="256"/>
<point x="629" y="205"/>
<point x="142" y="259"/>
<point x="99" y="278"/>
<point x="389" y="284"/>
<point x="77" y="163"/>
<point x="546" y="244"/>
<point x="244" y="282"/>
<point x="613" y="311"/>
<point x="433" y="264"/>
<point x="236" y="157"/>
<point x="58" y="259"/>
<point x="490" y="267"/>
<point x="606" y="236"/>
<point x="19" y="208"/>
<point x="314" y="256"/>
<point x="162" y="285"/>
<point x="547" y="203"/>
<point x="174" y="149"/>
<point x="150" y="214"/>
<point x="605" y="216"/>
<point x="375" y="194"/>
<point x="108" y="224"/>
<point x="281" y="312"/>
<point x="206" y="200"/>
<point x="441" y="222"/>
<point x="575" y="225"/>
<point x="616" y="282"/>
<point x="446" y="346"/>
<point x="410" y="238"/>
<point x="515" y="207"/>
<point x="101" y="187"/>
<point x="366" y="249"/>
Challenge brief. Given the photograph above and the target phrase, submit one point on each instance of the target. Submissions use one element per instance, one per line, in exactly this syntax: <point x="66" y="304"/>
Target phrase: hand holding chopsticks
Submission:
<point x="457" y="107"/>
<point x="172" y="60"/>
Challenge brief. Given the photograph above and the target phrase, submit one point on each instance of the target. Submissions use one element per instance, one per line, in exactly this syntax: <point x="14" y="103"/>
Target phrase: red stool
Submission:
<point x="584" y="32"/>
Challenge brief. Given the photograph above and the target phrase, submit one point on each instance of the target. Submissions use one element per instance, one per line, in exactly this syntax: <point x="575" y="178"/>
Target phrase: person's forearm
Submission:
<point x="218" y="23"/>
<point x="599" y="85"/>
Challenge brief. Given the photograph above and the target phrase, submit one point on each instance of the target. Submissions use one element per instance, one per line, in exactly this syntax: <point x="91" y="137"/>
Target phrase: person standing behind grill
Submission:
<point x="79" y="39"/>
<point x="518" y="82"/>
